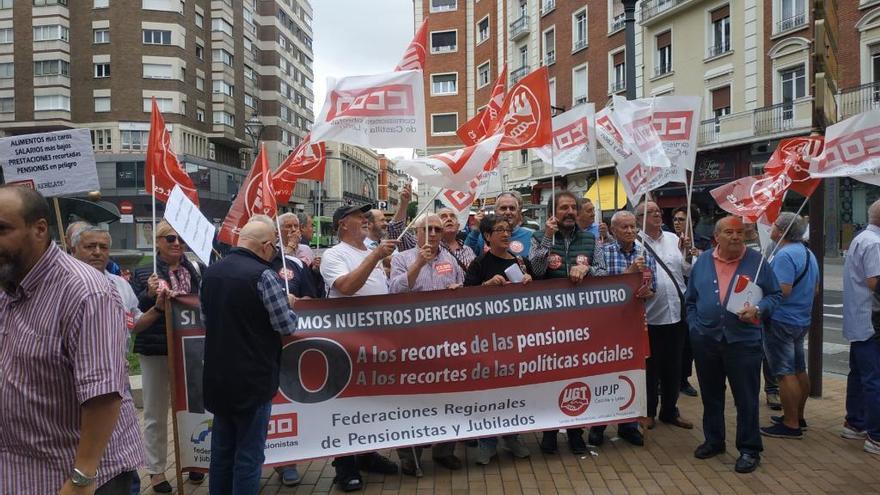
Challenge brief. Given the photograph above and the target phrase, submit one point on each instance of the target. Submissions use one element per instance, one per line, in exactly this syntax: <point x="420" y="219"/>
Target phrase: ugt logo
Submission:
<point x="521" y="120"/>
<point x="391" y="100"/>
<point x="574" y="399"/>
<point x="255" y="197"/>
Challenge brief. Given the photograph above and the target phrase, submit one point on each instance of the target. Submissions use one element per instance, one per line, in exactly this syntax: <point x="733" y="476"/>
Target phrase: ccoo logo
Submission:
<point x="378" y="101"/>
<point x="255" y="197"/>
<point x="574" y="399"/>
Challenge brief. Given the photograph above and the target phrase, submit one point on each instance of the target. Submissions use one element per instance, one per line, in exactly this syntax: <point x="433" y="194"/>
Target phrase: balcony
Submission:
<point x="719" y="49"/>
<point x="547" y="6"/>
<point x="790" y="24"/>
<point x="615" y="87"/>
<point x="853" y="101"/>
<point x="617" y="23"/>
<point x="662" y="68"/>
<point x="651" y="9"/>
<point x="519" y="28"/>
<point x="443" y="48"/>
<point x="578" y="45"/>
<point x="518" y="74"/>
<point x="550" y="57"/>
<point x="771" y="122"/>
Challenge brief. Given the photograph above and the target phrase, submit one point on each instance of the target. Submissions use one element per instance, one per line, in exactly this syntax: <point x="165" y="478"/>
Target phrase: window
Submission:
<point x="200" y="83"/>
<point x="7" y="105"/>
<point x="550" y="46"/>
<point x="157" y="37"/>
<point x="51" y="68"/>
<point x="579" y="85"/>
<point x="793" y="14"/>
<point x="166" y="105"/>
<point x="552" y="87"/>
<point x="102" y="4"/>
<point x="579" y="30"/>
<point x="200" y="115"/>
<point x="524" y="56"/>
<point x="5" y="35"/>
<point x="663" y="62"/>
<point x="221" y="25"/>
<point x="5" y="4"/>
<point x="200" y="52"/>
<point x="221" y="86"/>
<point x="248" y="44"/>
<point x="101" y="35"/>
<point x="793" y="87"/>
<point x="46" y="3"/>
<point x="484" y="76"/>
<point x="51" y="33"/>
<point x="875" y="73"/>
<point x="102" y="70"/>
<point x="101" y="140"/>
<point x="51" y="102"/>
<point x="444" y="123"/>
<point x="157" y="71"/>
<point x="131" y="141"/>
<point x="223" y="56"/>
<point x="284" y="113"/>
<point x="444" y="84"/>
<point x="7" y="70"/>
<point x="443" y="41"/>
<point x="443" y="5"/>
<point x="249" y="74"/>
<point x="102" y="104"/>
<point x="483" y="30"/>
<point x="719" y="41"/>
<point x="249" y="100"/>
<point x="200" y="20"/>
<point x="618" y="76"/>
<point x="224" y="118"/>
<point x="720" y="105"/>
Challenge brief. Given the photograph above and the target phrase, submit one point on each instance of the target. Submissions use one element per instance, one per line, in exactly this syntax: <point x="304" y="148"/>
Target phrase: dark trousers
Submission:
<point x="238" y="442"/>
<point x="740" y="364"/>
<point x="664" y="367"/>
<point x="863" y="387"/>
<point x="771" y="381"/>
<point x="118" y="485"/>
<point x="687" y="359"/>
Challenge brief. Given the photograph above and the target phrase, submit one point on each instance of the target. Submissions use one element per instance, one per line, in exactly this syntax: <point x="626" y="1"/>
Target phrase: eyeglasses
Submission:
<point x="500" y="230"/>
<point x="171" y="239"/>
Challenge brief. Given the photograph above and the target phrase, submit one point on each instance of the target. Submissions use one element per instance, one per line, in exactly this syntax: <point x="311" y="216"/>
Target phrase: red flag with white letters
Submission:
<point x="308" y="161"/>
<point x="255" y="197"/>
<point x="162" y="165"/>
<point x="414" y="56"/>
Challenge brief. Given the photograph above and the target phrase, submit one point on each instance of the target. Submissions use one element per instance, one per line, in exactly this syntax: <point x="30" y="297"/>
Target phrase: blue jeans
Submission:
<point x="863" y="387"/>
<point x="740" y="364"/>
<point x="784" y="348"/>
<point x="237" y="451"/>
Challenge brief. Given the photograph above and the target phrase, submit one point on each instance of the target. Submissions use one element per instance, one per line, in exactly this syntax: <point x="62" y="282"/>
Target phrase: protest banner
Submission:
<point x="54" y="163"/>
<point x="376" y="372"/>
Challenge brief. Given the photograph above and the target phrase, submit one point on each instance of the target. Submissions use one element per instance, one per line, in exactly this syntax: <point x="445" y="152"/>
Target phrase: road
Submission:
<point x="835" y="349"/>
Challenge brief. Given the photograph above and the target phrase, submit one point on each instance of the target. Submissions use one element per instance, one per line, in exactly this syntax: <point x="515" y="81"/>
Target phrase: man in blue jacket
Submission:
<point x="727" y="346"/>
<point x="508" y="205"/>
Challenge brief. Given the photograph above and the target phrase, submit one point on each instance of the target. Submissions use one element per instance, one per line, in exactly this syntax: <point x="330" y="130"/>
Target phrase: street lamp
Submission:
<point x="629" y="10"/>
<point x="254" y="128"/>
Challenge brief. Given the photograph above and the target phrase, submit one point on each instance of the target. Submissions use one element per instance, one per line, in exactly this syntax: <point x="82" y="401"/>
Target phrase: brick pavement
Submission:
<point x="820" y="463"/>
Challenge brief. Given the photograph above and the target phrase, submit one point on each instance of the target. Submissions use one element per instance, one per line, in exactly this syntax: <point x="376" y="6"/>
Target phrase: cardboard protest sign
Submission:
<point x="54" y="163"/>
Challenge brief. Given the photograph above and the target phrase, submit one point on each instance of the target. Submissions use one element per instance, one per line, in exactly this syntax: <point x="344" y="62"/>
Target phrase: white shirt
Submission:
<point x="129" y="300"/>
<point x="343" y="259"/>
<point x="862" y="262"/>
<point x="665" y="307"/>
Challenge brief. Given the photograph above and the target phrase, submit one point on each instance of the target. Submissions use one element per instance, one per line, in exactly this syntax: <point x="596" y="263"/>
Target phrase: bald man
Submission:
<point x="246" y="311"/>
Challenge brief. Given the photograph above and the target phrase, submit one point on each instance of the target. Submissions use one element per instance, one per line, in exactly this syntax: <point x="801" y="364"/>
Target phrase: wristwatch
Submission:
<point x="79" y="478"/>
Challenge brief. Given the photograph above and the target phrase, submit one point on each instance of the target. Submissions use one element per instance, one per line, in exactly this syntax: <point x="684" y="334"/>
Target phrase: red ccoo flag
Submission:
<point x="478" y="127"/>
<point x="525" y="119"/>
<point x="414" y="56"/>
<point x="255" y="197"/>
<point x="308" y="161"/>
<point x="792" y="156"/>
<point x="162" y="165"/>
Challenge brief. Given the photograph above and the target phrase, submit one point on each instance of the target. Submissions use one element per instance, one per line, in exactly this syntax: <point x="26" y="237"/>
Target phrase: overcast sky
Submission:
<point x="358" y="37"/>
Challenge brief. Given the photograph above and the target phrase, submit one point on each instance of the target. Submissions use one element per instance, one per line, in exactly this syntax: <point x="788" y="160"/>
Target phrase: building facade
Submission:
<point x="351" y="178"/>
<point x="223" y="73"/>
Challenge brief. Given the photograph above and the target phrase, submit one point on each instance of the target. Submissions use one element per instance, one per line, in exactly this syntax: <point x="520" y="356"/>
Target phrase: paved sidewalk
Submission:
<point x="820" y="463"/>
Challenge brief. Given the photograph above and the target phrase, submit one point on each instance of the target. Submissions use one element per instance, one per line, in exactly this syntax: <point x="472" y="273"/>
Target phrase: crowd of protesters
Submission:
<point x="67" y="321"/>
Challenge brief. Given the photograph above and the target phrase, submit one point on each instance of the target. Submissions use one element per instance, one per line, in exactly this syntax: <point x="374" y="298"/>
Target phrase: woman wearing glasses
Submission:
<point x="175" y="275"/>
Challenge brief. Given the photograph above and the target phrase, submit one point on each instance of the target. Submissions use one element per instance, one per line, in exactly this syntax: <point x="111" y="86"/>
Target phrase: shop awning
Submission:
<point x="605" y="185"/>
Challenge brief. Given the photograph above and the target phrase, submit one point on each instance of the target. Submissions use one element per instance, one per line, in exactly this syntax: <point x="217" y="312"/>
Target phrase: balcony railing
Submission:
<point x="519" y="28"/>
<point x="792" y="22"/>
<point x="653" y="8"/>
<point x="518" y="74"/>
<point x="663" y="68"/>
<point x="618" y="22"/>
<point x="853" y="101"/>
<point x="775" y="120"/>
<point x="578" y="45"/>
<point x="616" y="86"/>
<point x="547" y="6"/>
<point x="443" y="49"/>
<point x="718" y="49"/>
<point x="550" y="57"/>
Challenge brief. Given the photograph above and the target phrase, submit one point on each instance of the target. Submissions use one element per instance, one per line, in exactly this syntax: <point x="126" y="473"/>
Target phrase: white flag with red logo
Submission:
<point x="379" y="111"/>
<point x="460" y="202"/>
<point x="455" y="169"/>
<point x="634" y="120"/>
<point x="255" y="197"/>
<point x="574" y="139"/>
<point x="414" y="56"/>
<point x="852" y="149"/>
<point x="525" y="118"/>
<point x="676" y="120"/>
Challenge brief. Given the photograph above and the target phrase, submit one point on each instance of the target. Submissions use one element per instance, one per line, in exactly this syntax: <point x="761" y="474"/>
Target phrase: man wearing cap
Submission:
<point x="509" y="206"/>
<point x="350" y="269"/>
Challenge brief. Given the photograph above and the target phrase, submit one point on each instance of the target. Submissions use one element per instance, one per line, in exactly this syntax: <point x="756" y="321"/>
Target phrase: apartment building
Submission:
<point x="351" y="178"/>
<point x="223" y="72"/>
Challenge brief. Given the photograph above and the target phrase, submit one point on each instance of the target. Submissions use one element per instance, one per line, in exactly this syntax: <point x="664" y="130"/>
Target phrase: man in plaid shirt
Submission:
<point x="626" y="255"/>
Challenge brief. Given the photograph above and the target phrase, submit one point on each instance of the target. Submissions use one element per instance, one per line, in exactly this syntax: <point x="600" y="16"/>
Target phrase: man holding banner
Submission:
<point x="246" y="311"/>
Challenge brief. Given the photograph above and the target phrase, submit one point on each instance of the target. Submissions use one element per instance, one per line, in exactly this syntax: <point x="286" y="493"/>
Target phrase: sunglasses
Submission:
<point x="171" y="239"/>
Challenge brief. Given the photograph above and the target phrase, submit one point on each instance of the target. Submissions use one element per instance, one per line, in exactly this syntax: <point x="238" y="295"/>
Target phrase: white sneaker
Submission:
<point x="871" y="446"/>
<point x="851" y="433"/>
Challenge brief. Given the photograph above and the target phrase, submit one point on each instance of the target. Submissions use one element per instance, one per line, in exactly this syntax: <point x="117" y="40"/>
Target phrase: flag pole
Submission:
<point x="598" y="193"/>
<point x="553" y="179"/>
<point x="318" y="213"/>
<point x="784" y="232"/>
<point x="421" y="210"/>
<point x="283" y="255"/>
<point x="689" y="193"/>
<point x="153" y="195"/>
<point x="645" y="212"/>
<point x="61" y="235"/>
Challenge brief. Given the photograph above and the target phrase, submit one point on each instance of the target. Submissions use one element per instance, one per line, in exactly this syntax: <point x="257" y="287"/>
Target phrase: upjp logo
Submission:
<point x="202" y="432"/>
<point x="392" y="100"/>
<point x="521" y="120"/>
<point x="571" y="135"/>
<point x="673" y="126"/>
<point x="574" y="399"/>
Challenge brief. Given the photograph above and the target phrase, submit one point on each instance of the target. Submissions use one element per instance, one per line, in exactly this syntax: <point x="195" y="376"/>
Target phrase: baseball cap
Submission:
<point x="344" y="211"/>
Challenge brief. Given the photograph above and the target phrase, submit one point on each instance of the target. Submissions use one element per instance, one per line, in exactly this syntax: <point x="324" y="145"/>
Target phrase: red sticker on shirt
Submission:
<point x="583" y="260"/>
<point x="285" y="274"/>
<point x="516" y="247"/>
<point x="444" y="268"/>
<point x="554" y="261"/>
<point x="129" y="320"/>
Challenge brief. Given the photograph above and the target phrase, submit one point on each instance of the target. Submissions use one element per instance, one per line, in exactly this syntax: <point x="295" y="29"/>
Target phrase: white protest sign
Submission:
<point x="745" y="294"/>
<point x="196" y="230"/>
<point x="53" y="163"/>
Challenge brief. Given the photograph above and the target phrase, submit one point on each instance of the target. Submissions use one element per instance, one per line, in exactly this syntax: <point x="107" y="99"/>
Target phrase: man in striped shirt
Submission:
<point x="69" y="426"/>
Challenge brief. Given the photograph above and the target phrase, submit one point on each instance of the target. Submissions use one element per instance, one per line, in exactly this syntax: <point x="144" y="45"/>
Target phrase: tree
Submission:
<point x="411" y="210"/>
